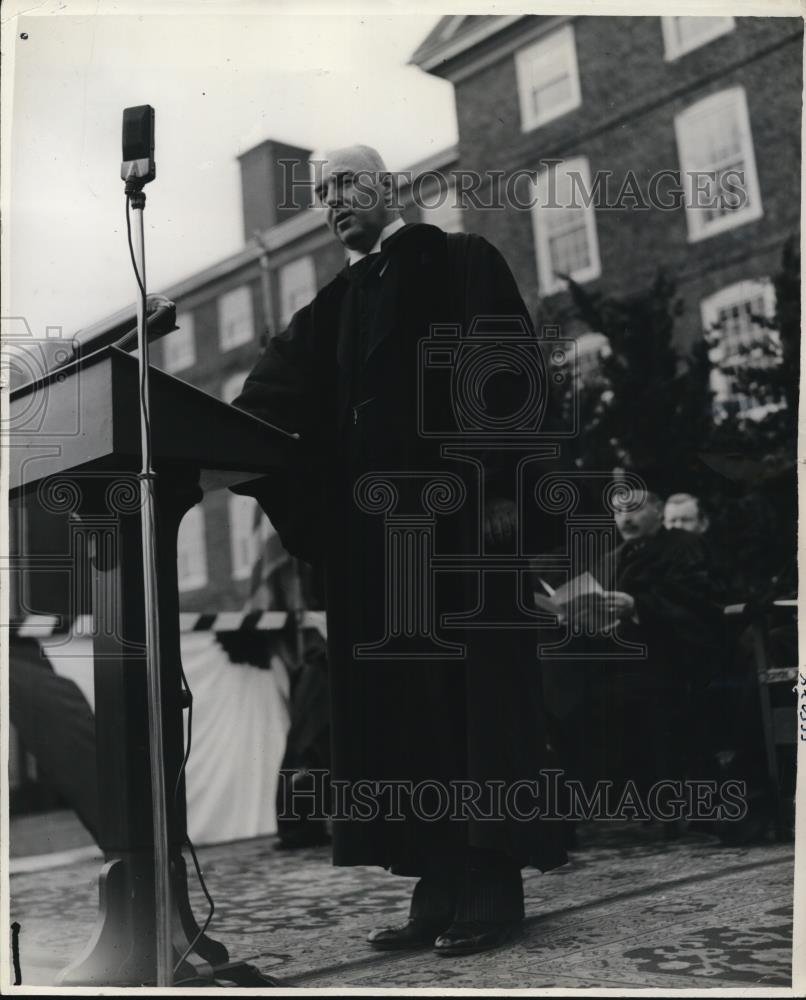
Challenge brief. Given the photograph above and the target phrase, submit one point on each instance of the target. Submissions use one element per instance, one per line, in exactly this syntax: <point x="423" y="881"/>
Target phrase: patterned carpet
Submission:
<point x="630" y="910"/>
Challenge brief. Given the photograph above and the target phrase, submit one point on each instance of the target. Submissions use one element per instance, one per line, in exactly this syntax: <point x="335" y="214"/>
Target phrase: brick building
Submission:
<point x="646" y="96"/>
<point x="640" y="96"/>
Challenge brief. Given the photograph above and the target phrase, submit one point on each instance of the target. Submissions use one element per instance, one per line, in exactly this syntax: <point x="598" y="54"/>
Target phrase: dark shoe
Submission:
<point x="413" y="934"/>
<point x="468" y="938"/>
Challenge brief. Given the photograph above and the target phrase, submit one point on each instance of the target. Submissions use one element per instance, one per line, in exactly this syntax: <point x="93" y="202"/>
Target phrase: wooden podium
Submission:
<point x="74" y="447"/>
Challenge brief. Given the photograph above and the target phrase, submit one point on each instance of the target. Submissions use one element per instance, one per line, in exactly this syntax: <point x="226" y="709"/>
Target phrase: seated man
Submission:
<point x="638" y="719"/>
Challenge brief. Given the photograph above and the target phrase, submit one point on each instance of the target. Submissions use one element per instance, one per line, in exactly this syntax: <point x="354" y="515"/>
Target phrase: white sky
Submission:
<point x="219" y="84"/>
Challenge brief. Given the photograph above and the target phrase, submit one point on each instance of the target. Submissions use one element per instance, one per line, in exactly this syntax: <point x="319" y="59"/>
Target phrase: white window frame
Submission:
<point x="232" y="332"/>
<point x="234" y="381"/>
<point x="710" y="307"/>
<point x="548" y="281"/>
<point x="735" y="100"/>
<point x="192" y="538"/>
<point x="674" y="47"/>
<point x="241" y="512"/>
<point x="297" y="287"/>
<point x="179" y="346"/>
<point x="561" y="40"/>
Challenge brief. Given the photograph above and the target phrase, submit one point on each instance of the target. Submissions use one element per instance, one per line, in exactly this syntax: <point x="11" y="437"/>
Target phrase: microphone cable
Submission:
<point x="143" y="299"/>
<point x="188" y="694"/>
<point x="211" y="905"/>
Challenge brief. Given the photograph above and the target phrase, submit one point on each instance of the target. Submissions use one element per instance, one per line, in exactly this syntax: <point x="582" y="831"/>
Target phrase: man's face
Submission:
<point x="639" y="516"/>
<point x="355" y="199"/>
<point x="685" y="515"/>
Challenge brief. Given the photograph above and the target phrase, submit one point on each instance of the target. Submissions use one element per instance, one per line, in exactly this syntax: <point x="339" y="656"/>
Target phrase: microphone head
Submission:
<point x="138" y="165"/>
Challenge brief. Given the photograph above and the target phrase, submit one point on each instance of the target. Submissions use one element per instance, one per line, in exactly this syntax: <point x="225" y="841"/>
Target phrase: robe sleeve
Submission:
<point x="678" y="602"/>
<point x="284" y="389"/>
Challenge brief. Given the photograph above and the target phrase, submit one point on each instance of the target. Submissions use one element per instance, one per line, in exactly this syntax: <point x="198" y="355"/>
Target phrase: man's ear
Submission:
<point x="389" y="188"/>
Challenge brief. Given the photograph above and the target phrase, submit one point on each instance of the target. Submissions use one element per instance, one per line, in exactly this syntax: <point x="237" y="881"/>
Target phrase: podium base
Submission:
<point x="122" y="950"/>
<point x="234" y="974"/>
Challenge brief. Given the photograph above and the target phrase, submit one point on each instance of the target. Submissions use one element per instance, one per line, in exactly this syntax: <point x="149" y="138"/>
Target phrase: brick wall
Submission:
<point x="630" y="96"/>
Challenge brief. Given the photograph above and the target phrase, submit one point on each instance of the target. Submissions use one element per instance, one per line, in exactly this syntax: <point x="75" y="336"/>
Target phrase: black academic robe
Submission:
<point x="644" y="719"/>
<point x="677" y="602"/>
<point x="347" y="375"/>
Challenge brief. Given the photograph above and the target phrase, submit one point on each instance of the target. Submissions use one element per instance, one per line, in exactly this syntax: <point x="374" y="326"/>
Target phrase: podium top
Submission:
<point x="85" y="417"/>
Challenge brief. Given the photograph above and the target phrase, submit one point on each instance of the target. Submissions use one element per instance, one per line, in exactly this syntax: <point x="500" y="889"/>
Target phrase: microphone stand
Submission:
<point x="147" y="477"/>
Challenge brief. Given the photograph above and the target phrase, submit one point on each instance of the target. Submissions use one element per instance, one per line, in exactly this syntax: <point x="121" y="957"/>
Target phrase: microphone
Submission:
<point x="138" y="167"/>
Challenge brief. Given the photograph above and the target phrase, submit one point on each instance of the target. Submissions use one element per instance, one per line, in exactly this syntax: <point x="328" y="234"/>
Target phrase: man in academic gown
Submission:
<point x="643" y="718"/>
<point x="346" y="376"/>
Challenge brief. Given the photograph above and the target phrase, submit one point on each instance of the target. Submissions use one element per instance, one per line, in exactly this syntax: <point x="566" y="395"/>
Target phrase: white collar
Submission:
<point x="353" y="256"/>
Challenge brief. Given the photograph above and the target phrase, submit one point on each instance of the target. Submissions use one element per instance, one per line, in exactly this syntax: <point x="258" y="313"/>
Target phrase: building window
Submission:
<point x="248" y="531"/>
<point x="548" y="78"/>
<point x="564" y="223"/>
<point x="734" y="323"/>
<point x="718" y="164"/>
<point x="233" y="385"/>
<point x="439" y="208"/>
<point x="235" y="320"/>
<point x="179" y="347"/>
<point x="191" y="555"/>
<point x="682" y="34"/>
<point x="297" y="287"/>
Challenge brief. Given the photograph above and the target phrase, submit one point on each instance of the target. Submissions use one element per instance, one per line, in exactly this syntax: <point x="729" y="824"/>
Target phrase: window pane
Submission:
<point x="440" y="209"/>
<point x="191" y="558"/>
<point x="734" y="319"/>
<point x="682" y="34"/>
<point x="297" y="287"/>
<point x="232" y="386"/>
<point x="718" y="164"/>
<point x="551" y="94"/>
<point x="565" y="225"/>
<point x="569" y="252"/>
<point x="235" y="321"/>
<point x="548" y="78"/>
<point x="178" y="347"/>
<point x="248" y="531"/>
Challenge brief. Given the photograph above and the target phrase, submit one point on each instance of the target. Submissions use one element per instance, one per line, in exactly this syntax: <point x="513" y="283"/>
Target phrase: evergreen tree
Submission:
<point x="651" y="410"/>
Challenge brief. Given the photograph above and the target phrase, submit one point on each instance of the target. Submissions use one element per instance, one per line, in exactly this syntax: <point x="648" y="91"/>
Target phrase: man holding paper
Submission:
<point x="635" y="719"/>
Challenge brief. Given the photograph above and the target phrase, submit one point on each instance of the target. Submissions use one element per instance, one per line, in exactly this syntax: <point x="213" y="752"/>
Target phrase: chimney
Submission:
<point x="275" y="184"/>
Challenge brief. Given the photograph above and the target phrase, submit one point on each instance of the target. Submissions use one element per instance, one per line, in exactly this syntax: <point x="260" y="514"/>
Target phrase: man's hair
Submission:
<point x="362" y="162"/>
<point x="678" y="498"/>
<point x="364" y="159"/>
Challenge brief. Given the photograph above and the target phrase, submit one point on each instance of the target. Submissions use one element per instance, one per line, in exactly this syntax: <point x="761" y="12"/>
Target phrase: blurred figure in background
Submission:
<point x="684" y="511"/>
<point x="666" y="598"/>
<point x="638" y="720"/>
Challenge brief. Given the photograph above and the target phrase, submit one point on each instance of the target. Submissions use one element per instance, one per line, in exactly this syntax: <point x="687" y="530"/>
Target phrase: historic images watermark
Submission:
<point x="549" y="184"/>
<point x="549" y="796"/>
